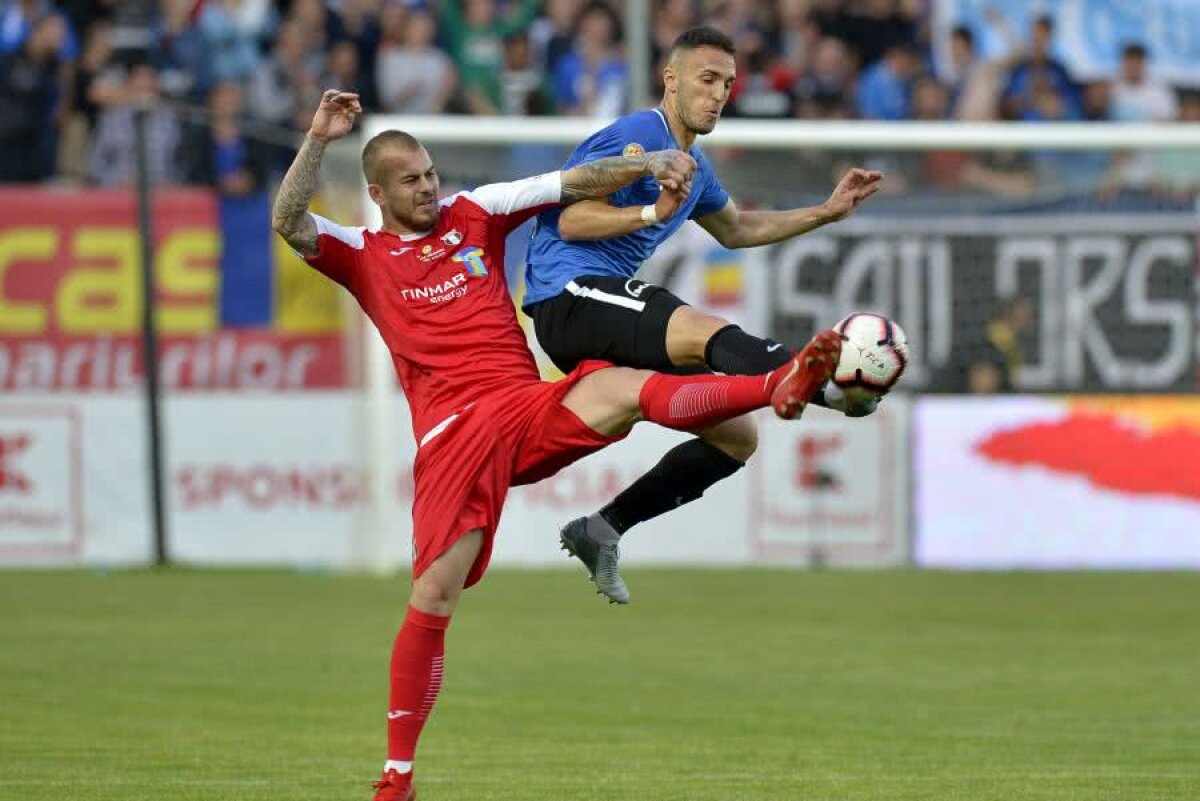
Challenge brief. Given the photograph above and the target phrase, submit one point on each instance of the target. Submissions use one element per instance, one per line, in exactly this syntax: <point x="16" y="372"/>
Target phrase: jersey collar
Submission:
<point x="663" y="119"/>
<point x="408" y="237"/>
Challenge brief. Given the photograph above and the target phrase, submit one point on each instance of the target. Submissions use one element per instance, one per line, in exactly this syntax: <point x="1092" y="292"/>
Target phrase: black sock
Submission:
<point x="681" y="476"/>
<point x="734" y="352"/>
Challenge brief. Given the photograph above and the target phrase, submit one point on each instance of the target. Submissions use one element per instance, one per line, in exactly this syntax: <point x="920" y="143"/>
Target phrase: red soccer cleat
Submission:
<point x="395" y="786"/>
<point x="806" y="374"/>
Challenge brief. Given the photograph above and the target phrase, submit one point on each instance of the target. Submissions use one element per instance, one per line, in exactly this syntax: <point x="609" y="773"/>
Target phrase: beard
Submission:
<point x="417" y="218"/>
<point x="702" y="125"/>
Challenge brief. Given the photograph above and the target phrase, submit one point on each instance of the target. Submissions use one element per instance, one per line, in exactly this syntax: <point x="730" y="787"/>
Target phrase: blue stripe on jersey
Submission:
<point x="551" y="262"/>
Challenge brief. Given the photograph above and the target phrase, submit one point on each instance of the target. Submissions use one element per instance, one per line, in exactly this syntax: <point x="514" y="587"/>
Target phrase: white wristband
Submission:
<point x="649" y="215"/>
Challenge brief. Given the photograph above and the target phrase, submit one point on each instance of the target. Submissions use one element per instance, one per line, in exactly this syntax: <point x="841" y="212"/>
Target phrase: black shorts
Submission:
<point x="621" y="320"/>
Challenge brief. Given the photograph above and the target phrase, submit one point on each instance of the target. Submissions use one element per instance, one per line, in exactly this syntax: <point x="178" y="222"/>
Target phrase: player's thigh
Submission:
<point x="437" y="590"/>
<point x="608" y="401"/>
<point x="737" y="437"/>
<point x="688" y="333"/>
<point x="623" y="321"/>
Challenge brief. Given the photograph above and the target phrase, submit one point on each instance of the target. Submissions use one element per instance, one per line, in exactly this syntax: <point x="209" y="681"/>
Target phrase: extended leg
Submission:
<point x="605" y="401"/>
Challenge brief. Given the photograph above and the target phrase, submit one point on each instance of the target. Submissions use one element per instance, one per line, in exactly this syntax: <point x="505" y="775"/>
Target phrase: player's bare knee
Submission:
<point x="625" y="393"/>
<point x="688" y="333"/>
<point x="608" y="401"/>
<point x="743" y="443"/>
<point x="434" y="596"/>
<point x="738" y="438"/>
<point x="632" y="383"/>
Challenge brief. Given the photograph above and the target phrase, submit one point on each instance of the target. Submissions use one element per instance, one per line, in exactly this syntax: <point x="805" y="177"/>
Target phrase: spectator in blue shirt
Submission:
<point x="883" y="90"/>
<point x="1034" y="73"/>
<point x="29" y="86"/>
<point x="591" y="80"/>
<point x="233" y="52"/>
<point x="16" y="21"/>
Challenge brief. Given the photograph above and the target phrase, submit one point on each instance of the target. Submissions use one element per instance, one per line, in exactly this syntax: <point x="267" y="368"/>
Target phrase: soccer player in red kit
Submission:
<point x="432" y="281"/>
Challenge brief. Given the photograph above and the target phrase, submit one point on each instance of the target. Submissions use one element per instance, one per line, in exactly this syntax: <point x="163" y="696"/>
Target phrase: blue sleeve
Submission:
<point x="713" y="196"/>
<point x="609" y="141"/>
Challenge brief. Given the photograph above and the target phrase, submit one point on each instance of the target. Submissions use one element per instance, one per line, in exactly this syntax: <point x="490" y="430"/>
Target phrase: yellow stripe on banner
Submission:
<point x="723" y="283"/>
<point x="306" y="302"/>
<point x="1149" y="412"/>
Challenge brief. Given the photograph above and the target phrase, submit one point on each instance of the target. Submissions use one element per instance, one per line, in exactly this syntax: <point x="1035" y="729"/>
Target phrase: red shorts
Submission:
<point x="515" y="436"/>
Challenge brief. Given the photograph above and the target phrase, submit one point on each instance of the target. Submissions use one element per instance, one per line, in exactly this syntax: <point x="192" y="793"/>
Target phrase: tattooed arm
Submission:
<point x="518" y="200"/>
<point x="600" y="178"/>
<point x="289" y="217"/>
<point x="589" y="219"/>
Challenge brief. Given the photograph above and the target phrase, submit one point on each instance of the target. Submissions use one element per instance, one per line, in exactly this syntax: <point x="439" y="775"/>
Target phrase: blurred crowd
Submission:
<point x="228" y="82"/>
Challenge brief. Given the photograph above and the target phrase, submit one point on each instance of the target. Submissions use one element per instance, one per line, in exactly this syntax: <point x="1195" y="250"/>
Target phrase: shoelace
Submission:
<point x="606" y="568"/>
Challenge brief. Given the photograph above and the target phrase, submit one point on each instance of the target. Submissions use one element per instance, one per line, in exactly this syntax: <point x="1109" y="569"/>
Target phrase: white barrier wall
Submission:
<point x="72" y="481"/>
<point x="261" y="479"/>
<point x="826" y="489"/>
<point x="280" y="479"/>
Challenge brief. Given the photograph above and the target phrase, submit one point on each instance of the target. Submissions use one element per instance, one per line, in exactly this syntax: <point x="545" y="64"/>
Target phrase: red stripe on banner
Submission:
<point x="71" y="299"/>
<point x="226" y="360"/>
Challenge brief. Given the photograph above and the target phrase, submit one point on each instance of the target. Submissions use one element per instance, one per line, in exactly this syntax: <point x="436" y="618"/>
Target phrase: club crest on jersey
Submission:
<point x="452" y="237"/>
<point x="633" y="150"/>
<point x="472" y="258"/>
<point x="428" y="253"/>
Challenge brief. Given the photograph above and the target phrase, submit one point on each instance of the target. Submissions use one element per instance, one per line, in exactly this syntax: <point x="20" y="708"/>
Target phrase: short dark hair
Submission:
<point x="704" y="36"/>
<point x="964" y="33"/>
<point x="370" y="154"/>
<point x="1045" y="21"/>
<point x="1135" y="50"/>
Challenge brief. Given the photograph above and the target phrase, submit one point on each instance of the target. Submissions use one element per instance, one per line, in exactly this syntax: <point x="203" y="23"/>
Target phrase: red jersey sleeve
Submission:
<point x="515" y="202"/>
<point x="339" y="251"/>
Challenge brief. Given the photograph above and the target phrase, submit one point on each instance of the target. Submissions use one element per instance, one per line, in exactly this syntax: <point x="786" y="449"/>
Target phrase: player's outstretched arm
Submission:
<point x="600" y="178"/>
<point x="289" y="216"/>
<point x="735" y="228"/>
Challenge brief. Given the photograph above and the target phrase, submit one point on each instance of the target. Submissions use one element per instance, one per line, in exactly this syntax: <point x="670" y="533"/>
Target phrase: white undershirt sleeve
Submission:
<point x="507" y="198"/>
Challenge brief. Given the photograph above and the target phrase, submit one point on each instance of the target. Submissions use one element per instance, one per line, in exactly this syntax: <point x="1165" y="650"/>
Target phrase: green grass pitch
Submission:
<point x="715" y="685"/>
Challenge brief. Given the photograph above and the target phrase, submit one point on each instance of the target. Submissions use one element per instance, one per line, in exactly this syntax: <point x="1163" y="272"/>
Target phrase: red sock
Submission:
<point x="416" y="673"/>
<point x="688" y="402"/>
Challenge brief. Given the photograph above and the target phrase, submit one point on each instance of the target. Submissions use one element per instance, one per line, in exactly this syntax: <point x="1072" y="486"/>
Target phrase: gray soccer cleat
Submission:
<point x="600" y="560"/>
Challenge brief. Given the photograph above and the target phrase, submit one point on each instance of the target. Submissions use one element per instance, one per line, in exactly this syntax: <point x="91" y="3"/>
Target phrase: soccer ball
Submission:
<point x="874" y="355"/>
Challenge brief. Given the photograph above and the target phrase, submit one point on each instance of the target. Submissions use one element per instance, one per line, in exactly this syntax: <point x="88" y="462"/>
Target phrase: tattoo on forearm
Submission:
<point x="601" y="177"/>
<point x="290" y="214"/>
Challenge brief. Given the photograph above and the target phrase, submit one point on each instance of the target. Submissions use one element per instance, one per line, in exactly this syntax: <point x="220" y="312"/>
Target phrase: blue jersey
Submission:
<point x="551" y="262"/>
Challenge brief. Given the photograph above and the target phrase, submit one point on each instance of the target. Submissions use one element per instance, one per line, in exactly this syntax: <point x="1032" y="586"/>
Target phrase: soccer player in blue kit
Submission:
<point x="585" y="303"/>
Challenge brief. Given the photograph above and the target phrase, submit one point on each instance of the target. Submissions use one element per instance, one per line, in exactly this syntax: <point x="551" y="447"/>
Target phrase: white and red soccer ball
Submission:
<point x="874" y="354"/>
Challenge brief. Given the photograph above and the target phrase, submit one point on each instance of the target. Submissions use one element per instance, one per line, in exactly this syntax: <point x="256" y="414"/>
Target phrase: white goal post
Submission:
<point x="833" y="135"/>
<point x="381" y="427"/>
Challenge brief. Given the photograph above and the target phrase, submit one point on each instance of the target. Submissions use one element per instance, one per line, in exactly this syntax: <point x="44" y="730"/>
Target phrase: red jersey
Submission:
<point x="440" y="299"/>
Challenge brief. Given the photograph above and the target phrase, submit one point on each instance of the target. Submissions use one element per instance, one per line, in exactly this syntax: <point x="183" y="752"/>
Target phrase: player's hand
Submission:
<point x="335" y="116"/>
<point x="669" y="201"/>
<point x="856" y="186"/>
<point x="671" y="168"/>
